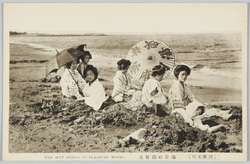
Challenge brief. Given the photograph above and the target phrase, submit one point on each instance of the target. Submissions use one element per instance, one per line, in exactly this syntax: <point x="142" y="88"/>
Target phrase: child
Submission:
<point x="152" y="92"/>
<point x="184" y="103"/>
<point x="94" y="92"/>
<point x="71" y="82"/>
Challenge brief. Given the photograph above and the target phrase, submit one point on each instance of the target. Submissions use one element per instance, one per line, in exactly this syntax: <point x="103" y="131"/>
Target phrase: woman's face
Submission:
<point x="90" y="76"/>
<point x="73" y="66"/>
<point x="159" y="77"/>
<point x="182" y="76"/>
<point x="86" y="59"/>
<point x="197" y="112"/>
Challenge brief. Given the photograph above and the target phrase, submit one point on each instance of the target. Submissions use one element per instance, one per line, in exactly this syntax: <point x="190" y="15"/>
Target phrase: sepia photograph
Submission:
<point x="125" y="81"/>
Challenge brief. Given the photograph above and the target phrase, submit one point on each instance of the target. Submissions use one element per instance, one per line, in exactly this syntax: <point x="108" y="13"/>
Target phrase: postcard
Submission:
<point x="125" y="82"/>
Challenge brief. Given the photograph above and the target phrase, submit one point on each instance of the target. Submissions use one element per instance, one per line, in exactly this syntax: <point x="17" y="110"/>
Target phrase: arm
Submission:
<point x="215" y="128"/>
<point x="190" y="95"/>
<point x="81" y="82"/>
<point x="119" y="85"/>
<point x="175" y="95"/>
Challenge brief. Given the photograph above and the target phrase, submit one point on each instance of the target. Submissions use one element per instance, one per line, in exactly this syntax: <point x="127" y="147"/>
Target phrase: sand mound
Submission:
<point x="166" y="133"/>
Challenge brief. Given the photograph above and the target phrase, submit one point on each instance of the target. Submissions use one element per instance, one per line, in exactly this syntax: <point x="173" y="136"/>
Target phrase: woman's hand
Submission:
<point x="154" y="92"/>
<point x="80" y="99"/>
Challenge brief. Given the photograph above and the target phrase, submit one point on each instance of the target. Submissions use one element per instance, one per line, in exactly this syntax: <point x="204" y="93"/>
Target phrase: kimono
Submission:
<point x="122" y="85"/>
<point x="150" y="86"/>
<point x="189" y="113"/>
<point x="94" y="94"/>
<point x="180" y="96"/>
<point x="81" y="68"/>
<point x="68" y="84"/>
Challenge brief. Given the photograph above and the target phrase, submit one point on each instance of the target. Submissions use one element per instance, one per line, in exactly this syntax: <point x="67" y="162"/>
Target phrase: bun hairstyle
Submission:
<point x="158" y="70"/>
<point x="180" y="68"/>
<point x="91" y="68"/>
<point x="123" y="64"/>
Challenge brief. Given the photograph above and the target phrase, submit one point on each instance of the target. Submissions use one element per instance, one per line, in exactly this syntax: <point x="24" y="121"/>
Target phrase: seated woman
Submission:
<point x="71" y="82"/>
<point x="152" y="92"/>
<point x="94" y="92"/>
<point x="83" y="60"/>
<point x="122" y="81"/>
<point x="184" y="103"/>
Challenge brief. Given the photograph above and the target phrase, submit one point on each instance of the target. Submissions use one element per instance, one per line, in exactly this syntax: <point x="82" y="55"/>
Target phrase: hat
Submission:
<point x="180" y="68"/>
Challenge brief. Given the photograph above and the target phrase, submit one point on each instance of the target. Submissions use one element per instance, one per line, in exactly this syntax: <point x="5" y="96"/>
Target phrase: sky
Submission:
<point x="128" y="18"/>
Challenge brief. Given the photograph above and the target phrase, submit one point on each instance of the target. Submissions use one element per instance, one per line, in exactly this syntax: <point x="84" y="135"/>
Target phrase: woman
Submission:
<point x="71" y="82"/>
<point x="84" y="59"/>
<point x="94" y="92"/>
<point x="180" y="94"/>
<point x="122" y="81"/>
<point x="184" y="103"/>
<point x="195" y="112"/>
<point x="152" y="92"/>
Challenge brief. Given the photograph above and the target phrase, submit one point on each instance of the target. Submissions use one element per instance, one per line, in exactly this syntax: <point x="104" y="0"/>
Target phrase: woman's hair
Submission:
<point x="90" y="68"/>
<point x="158" y="70"/>
<point x="180" y="68"/>
<point x="81" y="48"/>
<point x="123" y="64"/>
<point x="86" y="53"/>
<point x="202" y="109"/>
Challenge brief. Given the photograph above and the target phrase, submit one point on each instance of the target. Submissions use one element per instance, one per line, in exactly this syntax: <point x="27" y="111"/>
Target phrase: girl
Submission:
<point x="94" y="92"/>
<point x="184" y="103"/>
<point x="122" y="81"/>
<point x="71" y="82"/>
<point x="152" y="92"/>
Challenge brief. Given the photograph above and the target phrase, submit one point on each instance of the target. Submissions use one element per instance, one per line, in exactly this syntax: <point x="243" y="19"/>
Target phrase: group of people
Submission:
<point x="81" y="81"/>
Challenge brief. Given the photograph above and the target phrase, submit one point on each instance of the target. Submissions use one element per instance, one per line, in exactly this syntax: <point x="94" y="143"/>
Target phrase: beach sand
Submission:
<point x="45" y="135"/>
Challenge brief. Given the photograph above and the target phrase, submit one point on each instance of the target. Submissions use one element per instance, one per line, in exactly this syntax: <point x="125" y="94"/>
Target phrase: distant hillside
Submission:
<point x="87" y="34"/>
<point x="41" y="34"/>
<point x="17" y="33"/>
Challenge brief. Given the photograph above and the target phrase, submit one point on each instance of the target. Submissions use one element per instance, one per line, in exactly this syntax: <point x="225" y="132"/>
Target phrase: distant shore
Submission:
<point x="14" y="33"/>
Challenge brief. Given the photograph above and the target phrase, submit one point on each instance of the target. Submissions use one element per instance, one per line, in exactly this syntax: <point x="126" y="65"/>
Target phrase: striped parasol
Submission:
<point x="145" y="55"/>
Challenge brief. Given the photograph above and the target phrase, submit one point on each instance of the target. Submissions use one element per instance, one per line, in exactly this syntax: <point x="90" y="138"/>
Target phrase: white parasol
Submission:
<point x="145" y="55"/>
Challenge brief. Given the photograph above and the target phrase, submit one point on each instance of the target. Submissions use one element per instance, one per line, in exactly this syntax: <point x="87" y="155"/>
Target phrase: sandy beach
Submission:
<point x="32" y="131"/>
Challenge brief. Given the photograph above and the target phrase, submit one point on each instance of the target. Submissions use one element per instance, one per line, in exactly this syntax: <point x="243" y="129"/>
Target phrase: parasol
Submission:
<point x="145" y="55"/>
<point x="62" y="58"/>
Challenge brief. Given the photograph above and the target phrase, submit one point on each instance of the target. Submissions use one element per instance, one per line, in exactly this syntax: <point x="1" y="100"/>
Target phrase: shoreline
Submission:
<point x="32" y="124"/>
<point x="207" y="88"/>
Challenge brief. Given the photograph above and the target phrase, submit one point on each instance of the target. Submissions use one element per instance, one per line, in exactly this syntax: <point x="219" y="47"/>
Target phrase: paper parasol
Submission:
<point x="145" y="55"/>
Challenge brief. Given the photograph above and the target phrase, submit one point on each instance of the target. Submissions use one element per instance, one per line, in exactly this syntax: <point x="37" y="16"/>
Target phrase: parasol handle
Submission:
<point x="76" y="83"/>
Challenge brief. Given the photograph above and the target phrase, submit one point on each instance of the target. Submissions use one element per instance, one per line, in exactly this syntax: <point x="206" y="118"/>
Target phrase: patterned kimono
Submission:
<point x="94" y="94"/>
<point x="180" y="96"/>
<point x="81" y="68"/>
<point x="150" y="86"/>
<point x="69" y="87"/>
<point x="122" y="84"/>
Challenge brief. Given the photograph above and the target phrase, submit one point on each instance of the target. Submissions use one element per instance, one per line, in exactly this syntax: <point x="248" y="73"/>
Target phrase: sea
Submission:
<point x="212" y="54"/>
